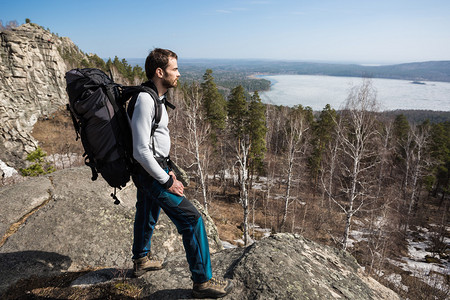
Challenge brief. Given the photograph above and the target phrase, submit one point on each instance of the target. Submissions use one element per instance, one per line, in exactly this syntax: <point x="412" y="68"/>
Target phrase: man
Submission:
<point x="158" y="187"/>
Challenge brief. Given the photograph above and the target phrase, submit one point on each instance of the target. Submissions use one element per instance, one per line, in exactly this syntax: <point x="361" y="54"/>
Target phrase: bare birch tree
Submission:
<point x="198" y="135"/>
<point x="420" y="136"/>
<point x="384" y="154"/>
<point x="357" y="133"/>
<point x="296" y="126"/>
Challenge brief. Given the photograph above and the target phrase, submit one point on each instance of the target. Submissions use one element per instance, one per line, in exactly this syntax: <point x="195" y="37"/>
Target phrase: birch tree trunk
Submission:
<point x="421" y="136"/>
<point x="198" y="130"/>
<point x="242" y="158"/>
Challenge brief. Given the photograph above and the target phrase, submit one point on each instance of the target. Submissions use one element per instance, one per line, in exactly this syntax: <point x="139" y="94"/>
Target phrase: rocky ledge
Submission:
<point x="64" y="223"/>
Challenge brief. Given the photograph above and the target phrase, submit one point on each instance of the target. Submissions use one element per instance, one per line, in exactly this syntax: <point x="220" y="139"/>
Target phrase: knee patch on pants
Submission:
<point x="189" y="210"/>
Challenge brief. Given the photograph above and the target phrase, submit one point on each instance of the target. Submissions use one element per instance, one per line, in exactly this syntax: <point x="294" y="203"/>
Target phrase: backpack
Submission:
<point x="98" y="108"/>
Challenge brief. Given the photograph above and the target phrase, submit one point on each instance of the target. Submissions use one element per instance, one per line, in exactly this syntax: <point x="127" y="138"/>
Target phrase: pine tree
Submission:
<point x="322" y="134"/>
<point x="257" y="129"/>
<point x="214" y="104"/>
<point x="237" y="112"/>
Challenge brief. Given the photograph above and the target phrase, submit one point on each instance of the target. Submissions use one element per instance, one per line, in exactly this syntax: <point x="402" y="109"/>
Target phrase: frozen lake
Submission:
<point x="316" y="91"/>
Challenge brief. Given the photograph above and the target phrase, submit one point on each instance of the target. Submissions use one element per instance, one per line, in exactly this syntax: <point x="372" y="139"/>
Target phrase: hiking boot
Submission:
<point x="213" y="288"/>
<point x="144" y="264"/>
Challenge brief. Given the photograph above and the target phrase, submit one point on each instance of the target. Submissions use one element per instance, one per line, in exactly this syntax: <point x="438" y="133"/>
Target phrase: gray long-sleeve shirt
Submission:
<point x="141" y="126"/>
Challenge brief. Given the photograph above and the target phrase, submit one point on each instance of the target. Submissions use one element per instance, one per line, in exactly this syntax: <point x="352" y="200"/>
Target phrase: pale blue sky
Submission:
<point x="361" y="31"/>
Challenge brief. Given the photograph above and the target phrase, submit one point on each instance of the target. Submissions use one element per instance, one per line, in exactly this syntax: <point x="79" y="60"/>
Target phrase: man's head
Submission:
<point x="161" y="65"/>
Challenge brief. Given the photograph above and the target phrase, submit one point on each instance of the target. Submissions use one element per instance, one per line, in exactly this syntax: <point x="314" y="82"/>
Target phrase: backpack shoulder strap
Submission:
<point x="158" y="103"/>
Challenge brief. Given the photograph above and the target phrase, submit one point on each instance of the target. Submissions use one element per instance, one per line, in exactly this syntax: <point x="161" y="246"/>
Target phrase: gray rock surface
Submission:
<point x="76" y="227"/>
<point x="31" y="85"/>
<point x="283" y="266"/>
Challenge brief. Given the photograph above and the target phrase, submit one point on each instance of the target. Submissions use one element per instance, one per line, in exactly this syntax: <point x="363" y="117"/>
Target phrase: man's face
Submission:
<point x="171" y="74"/>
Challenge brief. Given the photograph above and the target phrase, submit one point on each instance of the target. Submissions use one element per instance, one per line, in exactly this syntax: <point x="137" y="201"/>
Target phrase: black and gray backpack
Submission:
<point x="98" y="110"/>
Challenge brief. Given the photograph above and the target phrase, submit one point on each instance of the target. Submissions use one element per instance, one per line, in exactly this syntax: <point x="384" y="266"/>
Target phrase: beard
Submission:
<point x="170" y="84"/>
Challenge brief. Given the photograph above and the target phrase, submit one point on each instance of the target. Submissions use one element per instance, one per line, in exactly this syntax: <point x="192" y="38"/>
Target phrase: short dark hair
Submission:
<point x="158" y="58"/>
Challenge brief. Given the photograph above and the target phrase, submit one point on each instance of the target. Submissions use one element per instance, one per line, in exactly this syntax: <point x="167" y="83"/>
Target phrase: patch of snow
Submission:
<point x="422" y="229"/>
<point x="358" y="235"/>
<point x="381" y="221"/>
<point x="7" y="171"/>
<point x="396" y="279"/>
<point x="265" y="231"/>
<point x="227" y="245"/>
<point x="350" y="242"/>
<point x="241" y="241"/>
<point x="257" y="186"/>
<point x="433" y="274"/>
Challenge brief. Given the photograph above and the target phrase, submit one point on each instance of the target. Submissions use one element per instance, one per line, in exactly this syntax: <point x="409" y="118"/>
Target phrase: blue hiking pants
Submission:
<point x="151" y="197"/>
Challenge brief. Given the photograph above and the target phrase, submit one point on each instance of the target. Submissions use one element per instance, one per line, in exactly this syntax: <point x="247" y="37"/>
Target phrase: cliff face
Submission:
<point x="32" y="85"/>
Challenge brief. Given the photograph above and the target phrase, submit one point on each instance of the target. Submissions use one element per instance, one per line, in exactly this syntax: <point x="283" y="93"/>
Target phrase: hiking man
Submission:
<point x="158" y="187"/>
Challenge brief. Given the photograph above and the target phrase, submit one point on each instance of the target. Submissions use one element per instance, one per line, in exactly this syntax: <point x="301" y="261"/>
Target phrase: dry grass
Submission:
<point x="56" y="135"/>
<point x="59" y="287"/>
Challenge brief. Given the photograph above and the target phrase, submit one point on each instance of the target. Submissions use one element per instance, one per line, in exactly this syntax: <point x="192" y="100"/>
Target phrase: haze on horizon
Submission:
<point x="352" y="31"/>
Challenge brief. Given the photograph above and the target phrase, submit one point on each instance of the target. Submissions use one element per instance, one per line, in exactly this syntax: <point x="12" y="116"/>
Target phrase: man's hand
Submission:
<point x="177" y="187"/>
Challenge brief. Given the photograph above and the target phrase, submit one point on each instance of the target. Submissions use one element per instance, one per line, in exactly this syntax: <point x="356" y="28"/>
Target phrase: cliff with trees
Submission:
<point x="33" y="62"/>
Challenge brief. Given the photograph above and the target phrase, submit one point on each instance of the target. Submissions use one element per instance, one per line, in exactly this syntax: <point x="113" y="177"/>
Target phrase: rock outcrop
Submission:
<point x="283" y="266"/>
<point x="63" y="223"/>
<point x="66" y="222"/>
<point x="31" y="86"/>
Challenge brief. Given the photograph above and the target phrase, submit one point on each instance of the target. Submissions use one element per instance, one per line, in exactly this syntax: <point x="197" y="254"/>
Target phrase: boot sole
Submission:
<point x="143" y="271"/>
<point x="207" y="294"/>
<point x="202" y="295"/>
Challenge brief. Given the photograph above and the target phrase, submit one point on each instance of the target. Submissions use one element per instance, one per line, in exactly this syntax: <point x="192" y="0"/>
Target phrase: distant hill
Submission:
<point x="228" y="73"/>
<point x="418" y="71"/>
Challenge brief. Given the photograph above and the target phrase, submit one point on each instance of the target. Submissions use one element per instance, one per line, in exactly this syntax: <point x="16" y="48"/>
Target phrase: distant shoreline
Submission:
<point x="417" y="71"/>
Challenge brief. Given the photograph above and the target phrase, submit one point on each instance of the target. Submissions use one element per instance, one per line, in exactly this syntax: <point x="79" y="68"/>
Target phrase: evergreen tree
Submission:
<point x="322" y="134"/>
<point x="237" y="112"/>
<point x="440" y="152"/>
<point x="38" y="164"/>
<point x="257" y="129"/>
<point x="109" y="64"/>
<point x="214" y="103"/>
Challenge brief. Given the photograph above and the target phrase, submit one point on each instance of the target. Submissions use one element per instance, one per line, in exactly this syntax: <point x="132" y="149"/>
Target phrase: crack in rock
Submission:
<point x="17" y="225"/>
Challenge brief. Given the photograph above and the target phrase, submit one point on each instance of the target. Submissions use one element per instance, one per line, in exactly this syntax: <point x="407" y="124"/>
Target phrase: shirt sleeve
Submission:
<point x="141" y="126"/>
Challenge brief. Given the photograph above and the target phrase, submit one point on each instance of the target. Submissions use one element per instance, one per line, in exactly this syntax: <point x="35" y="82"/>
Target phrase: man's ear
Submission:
<point x="159" y="73"/>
